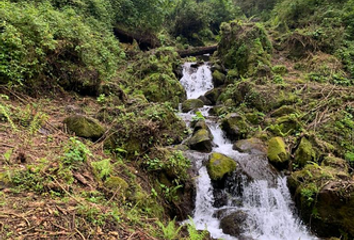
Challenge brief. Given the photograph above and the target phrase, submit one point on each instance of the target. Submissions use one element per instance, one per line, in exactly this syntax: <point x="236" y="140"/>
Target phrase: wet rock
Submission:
<point x="220" y="165"/>
<point x="201" y="124"/>
<point x="213" y="95"/>
<point x="201" y="141"/>
<point x="305" y="153"/>
<point x="235" y="126"/>
<point x="205" y="100"/>
<point x="178" y="71"/>
<point x="325" y="198"/>
<point x="251" y="145"/>
<point x="192" y="104"/>
<point x="218" y="78"/>
<point x="277" y="153"/>
<point x="220" y="198"/>
<point x="234" y="224"/>
<point x="85" y="127"/>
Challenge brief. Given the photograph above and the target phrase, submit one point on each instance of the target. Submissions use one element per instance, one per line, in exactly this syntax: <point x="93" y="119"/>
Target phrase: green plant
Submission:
<point x="169" y="232"/>
<point x="102" y="99"/>
<point x="75" y="152"/>
<point x="103" y="168"/>
<point x="198" y="116"/>
<point x="193" y="233"/>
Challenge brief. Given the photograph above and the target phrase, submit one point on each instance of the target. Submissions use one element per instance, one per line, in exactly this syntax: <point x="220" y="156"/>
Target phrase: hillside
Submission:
<point x="92" y="143"/>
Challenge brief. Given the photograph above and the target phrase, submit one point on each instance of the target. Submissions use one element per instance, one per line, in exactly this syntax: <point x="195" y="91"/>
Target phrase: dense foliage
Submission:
<point x="38" y="42"/>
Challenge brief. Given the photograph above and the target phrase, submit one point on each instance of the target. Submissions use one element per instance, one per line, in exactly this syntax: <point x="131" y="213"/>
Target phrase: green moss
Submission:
<point x="337" y="163"/>
<point x="235" y="126"/>
<point x="85" y="127"/>
<point x="277" y="153"/>
<point x="115" y="183"/>
<point x="245" y="47"/>
<point x="218" y="78"/>
<point x="192" y="104"/>
<point x="305" y="153"/>
<point x="219" y="165"/>
<point x="201" y="141"/>
<point x="280" y="69"/>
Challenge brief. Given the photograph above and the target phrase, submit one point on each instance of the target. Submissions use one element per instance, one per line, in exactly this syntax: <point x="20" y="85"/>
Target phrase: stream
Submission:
<point x="257" y="193"/>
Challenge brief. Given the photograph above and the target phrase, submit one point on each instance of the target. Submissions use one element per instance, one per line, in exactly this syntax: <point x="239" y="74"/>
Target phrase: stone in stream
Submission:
<point x="251" y="145"/>
<point x="235" y="224"/>
<point x="220" y="165"/>
<point x="277" y="153"/>
<point x="191" y="104"/>
<point x="235" y="126"/>
<point x="201" y="141"/>
<point x="205" y="100"/>
<point x="213" y="95"/>
<point x="84" y="126"/>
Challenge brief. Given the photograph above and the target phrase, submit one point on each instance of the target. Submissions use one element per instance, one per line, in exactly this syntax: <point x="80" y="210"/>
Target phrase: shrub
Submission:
<point x="38" y="43"/>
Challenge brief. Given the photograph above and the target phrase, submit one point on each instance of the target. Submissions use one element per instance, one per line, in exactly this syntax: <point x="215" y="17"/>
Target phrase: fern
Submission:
<point x="194" y="234"/>
<point x="169" y="232"/>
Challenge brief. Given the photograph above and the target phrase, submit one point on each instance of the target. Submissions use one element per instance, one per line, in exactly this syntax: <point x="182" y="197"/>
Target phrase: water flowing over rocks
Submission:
<point x="250" y="201"/>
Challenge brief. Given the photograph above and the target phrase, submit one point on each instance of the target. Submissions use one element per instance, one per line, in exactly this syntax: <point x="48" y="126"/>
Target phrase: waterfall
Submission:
<point x="265" y="200"/>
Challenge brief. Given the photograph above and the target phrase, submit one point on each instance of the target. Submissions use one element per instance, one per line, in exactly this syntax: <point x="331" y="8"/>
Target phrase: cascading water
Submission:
<point x="265" y="200"/>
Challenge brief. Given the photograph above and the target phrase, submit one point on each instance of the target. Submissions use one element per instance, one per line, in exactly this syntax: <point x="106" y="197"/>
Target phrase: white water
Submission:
<point x="266" y="199"/>
<point x="196" y="81"/>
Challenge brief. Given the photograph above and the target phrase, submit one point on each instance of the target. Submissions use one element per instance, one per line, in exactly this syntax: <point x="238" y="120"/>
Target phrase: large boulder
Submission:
<point x="84" y="126"/>
<point x="325" y="198"/>
<point x="244" y="46"/>
<point x="235" y="224"/>
<point x="192" y="104"/>
<point x="251" y="145"/>
<point x="201" y="141"/>
<point x="277" y="153"/>
<point x="219" y="165"/>
<point x="235" y="126"/>
<point x="305" y="153"/>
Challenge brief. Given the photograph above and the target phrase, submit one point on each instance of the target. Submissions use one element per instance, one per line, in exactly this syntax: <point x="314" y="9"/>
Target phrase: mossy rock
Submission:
<point x="201" y="141"/>
<point x="192" y="104"/>
<point x="235" y="126"/>
<point x="218" y="78"/>
<point x="277" y="153"/>
<point x="163" y="88"/>
<point x="335" y="162"/>
<point x="325" y="198"/>
<point x="84" y="126"/>
<point x="244" y="46"/>
<point x="305" y="153"/>
<point x="235" y="224"/>
<point x="115" y="183"/>
<point x="143" y="126"/>
<point x="251" y="145"/>
<point x="201" y="124"/>
<point x="213" y="95"/>
<point x="219" y="165"/>
<point x="205" y="100"/>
